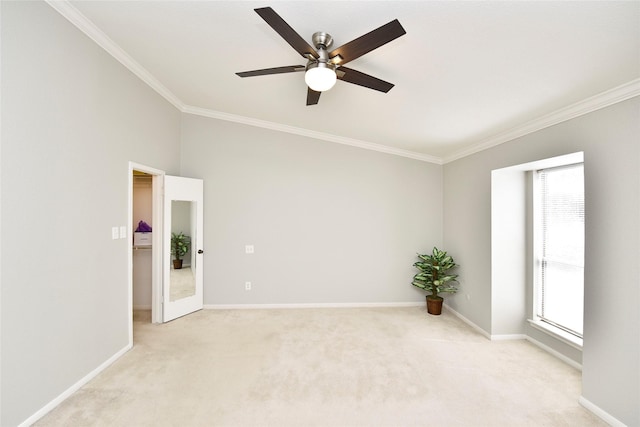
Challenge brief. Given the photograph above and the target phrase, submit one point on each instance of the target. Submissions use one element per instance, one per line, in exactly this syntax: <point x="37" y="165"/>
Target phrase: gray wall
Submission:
<point x="330" y="223"/>
<point x="609" y="139"/>
<point x="72" y="118"/>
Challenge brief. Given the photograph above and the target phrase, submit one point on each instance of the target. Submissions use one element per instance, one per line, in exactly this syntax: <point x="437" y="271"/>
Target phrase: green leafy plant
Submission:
<point x="179" y="245"/>
<point x="433" y="275"/>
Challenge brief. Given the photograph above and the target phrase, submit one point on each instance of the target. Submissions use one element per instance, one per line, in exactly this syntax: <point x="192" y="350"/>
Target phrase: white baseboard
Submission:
<point x="468" y="322"/>
<point x="506" y="337"/>
<point x="58" y="400"/>
<point x="606" y="417"/>
<point x="557" y="354"/>
<point x="312" y="305"/>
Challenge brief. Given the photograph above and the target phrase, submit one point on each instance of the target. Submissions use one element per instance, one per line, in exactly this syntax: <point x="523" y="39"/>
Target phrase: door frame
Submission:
<point x="156" y="243"/>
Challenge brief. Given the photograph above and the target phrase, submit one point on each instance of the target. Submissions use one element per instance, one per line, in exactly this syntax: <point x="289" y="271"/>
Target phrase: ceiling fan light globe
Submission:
<point x="320" y="79"/>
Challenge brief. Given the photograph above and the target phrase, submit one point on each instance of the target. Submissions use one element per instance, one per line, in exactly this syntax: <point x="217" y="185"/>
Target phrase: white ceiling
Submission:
<point x="465" y="72"/>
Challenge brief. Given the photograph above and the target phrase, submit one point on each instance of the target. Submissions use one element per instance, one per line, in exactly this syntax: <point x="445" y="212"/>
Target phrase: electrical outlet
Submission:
<point x="247" y="286"/>
<point x="248" y="249"/>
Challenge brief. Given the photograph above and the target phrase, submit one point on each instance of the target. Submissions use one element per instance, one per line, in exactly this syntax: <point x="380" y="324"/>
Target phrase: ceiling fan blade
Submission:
<point x="286" y="32"/>
<point x="350" y="75"/>
<point x="276" y="70"/>
<point x="368" y="42"/>
<point x="312" y="96"/>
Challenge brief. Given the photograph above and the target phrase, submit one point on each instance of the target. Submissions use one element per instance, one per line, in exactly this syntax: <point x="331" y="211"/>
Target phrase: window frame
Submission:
<point x="561" y="332"/>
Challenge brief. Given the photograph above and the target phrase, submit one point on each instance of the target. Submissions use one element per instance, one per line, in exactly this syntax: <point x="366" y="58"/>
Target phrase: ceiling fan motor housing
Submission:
<point x="316" y="75"/>
<point x="323" y="66"/>
<point x="322" y="41"/>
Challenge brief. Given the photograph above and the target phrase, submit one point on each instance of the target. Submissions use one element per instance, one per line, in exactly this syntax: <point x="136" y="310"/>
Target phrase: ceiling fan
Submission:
<point x="324" y="67"/>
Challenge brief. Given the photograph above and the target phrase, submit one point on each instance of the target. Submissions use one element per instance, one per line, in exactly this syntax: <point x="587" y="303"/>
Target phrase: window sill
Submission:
<point x="557" y="333"/>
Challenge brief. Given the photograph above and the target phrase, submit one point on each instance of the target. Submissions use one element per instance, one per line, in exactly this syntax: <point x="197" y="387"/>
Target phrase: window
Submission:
<point x="559" y="236"/>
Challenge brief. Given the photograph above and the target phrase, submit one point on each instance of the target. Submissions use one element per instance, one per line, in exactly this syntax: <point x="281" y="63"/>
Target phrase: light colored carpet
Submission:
<point x="325" y="367"/>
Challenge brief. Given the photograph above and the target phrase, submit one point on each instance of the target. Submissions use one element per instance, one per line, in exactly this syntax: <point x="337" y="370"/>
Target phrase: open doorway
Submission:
<point x="145" y="249"/>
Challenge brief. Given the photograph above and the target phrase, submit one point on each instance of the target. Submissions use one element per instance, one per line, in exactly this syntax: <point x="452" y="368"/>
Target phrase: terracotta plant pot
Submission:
<point x="434" y="305"/>
<point x="177" y="264"/>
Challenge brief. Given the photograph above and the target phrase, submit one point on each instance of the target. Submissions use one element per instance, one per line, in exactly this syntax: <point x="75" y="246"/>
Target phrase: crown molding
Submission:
<point x="310" y="134"/>
<point x="604" y="99"/>
<point x="83" y="23"/>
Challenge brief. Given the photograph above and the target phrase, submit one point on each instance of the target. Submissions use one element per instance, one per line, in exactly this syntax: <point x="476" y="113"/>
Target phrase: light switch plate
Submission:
<point x="123" y="231"/>
<point x="115" y="233"/>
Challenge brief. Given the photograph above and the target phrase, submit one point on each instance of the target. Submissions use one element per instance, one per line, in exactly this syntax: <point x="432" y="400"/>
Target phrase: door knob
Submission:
<point x="200" y="251"/>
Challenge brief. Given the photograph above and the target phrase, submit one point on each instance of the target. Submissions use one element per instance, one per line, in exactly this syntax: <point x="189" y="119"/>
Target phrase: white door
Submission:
<point x="182" y="269"/>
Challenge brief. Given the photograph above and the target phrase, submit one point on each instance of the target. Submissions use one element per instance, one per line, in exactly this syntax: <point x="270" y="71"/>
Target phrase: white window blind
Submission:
<point x="560" y="287"/>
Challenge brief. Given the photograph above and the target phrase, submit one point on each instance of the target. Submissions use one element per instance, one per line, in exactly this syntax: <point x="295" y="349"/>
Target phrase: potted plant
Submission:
<point x="433" y="277"/>
<point x="179" y="247"/>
